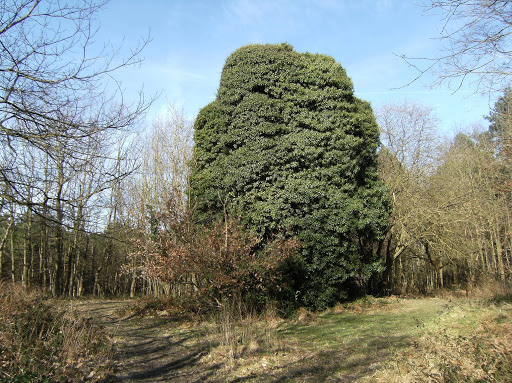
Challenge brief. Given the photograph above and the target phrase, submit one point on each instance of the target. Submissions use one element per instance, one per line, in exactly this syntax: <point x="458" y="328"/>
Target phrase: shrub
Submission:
<point x="223" y="261"/>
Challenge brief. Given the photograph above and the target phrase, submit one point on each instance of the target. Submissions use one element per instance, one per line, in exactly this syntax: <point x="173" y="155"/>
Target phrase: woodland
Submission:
<point x="286" y="188"/>
<point x="278" y="236"/>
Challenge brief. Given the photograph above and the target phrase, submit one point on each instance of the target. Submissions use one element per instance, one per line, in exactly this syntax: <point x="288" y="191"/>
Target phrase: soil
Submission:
<point x="149" y="349"/>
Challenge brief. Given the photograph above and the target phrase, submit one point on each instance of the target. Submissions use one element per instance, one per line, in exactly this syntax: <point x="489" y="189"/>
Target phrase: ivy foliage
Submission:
<point x="287" y="147"/>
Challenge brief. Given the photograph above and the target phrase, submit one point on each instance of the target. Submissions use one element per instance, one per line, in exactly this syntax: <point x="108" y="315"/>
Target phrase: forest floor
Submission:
<point x="147" y="348"/>
<point x="371" y="340"/>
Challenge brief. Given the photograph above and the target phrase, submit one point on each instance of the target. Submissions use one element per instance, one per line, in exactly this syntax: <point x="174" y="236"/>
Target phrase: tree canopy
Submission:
<point x="54" y="88"/>
<point x="288" y="148"/>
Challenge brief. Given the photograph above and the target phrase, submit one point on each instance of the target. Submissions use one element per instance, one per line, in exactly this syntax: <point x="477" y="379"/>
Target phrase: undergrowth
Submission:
<point x="233" y="330"/>
<point x="485" y="356"/>
<point x="180" y="309"/>
<point x="40" y="342"/>
<point x="237" y="332"/>
<point x="453" y="354"/>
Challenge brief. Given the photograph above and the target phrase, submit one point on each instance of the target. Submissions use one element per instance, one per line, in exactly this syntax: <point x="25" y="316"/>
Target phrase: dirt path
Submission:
<point x="149" y="349"/>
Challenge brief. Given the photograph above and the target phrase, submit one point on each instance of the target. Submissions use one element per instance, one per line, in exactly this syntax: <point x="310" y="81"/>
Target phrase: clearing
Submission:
<point x="363" y="341"/>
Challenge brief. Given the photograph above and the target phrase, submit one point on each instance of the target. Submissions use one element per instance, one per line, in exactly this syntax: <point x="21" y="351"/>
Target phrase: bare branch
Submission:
<point x="475" y="45"/>
<point x="61" y="109"/>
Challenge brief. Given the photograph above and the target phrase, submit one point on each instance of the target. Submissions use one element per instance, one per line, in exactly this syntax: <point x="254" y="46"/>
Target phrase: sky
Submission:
<point x="191" y="40"/>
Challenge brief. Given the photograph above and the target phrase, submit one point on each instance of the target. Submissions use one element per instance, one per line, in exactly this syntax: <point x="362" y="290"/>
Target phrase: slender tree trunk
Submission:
<point x="96" y="287"/>
<point x="13" y="262"/>
<point x="499" y="251"/>
<point x="74" y="257"/>
<point x="440" y="278"/>
<point x="80" y="268"/>
<point x="133" y="282"/>
<point x="59" y="264"/>
<point x="2" y="245"/>
<point x="27" y="252"/>
<point x="42" y="268"/>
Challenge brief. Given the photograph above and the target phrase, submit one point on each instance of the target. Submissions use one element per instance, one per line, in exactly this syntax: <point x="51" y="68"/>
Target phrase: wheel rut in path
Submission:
<point x="149" y="349"/>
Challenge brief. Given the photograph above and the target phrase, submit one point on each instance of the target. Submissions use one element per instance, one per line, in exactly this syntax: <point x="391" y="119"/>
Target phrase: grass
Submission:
<point x="372" y="340"/>
<point x="42" y="342"/>
<point x="342" y="328"/>
<point x="472" y="343"/>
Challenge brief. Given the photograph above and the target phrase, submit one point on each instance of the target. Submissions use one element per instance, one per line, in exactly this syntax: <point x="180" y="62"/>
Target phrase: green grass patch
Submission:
<point x="365" y="341"/>
<point x="369" y="328"/>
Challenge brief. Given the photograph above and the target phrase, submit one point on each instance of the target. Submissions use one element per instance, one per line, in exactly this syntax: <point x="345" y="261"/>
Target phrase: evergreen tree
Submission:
<point x="500" y="118"/>
<point x="287" y="147"/>
<point x="499" y="136"/>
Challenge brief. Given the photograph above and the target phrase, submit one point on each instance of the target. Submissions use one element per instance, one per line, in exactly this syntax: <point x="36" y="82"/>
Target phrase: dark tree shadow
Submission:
<point x="345" y="365"/>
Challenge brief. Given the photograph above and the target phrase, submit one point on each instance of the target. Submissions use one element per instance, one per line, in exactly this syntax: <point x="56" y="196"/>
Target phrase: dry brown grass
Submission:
<point x="369" y="304"/>
<point x="236" y="335"/>
<point x="444" y="355"/>
<point x="145" y="306"/>
<point x="42" y="342"/>
<point x="444" y="340"/>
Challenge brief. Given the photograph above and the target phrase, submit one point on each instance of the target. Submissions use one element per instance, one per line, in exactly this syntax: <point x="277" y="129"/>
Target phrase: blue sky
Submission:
<point x="191" y="40"/>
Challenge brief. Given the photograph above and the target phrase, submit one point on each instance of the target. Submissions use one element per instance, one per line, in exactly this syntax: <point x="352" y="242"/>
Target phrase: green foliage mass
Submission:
<point x="287" y="147"/>
<point x="501" y="115"/>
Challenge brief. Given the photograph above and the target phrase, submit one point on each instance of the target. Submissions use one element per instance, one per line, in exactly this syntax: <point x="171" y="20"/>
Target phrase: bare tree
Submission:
<point x="473" y="222"/>
<point x="408" y="157"/>
<point x="61" y="117"/>
<point x="476" y="45"/>
<point x="451" y="212"/>
<point x="159" y="187"/>
<point x="54" y="83"/>
<point x="408" y="131"/>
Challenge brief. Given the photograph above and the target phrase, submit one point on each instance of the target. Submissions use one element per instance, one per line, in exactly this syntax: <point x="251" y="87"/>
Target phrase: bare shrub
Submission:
<point x="222" y="261"/>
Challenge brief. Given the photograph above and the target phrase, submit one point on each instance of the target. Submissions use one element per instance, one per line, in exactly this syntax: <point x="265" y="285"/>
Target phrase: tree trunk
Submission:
<point x="74" y="256"/>
<point x="440" y="279"/>
<point x="2" y="245"/>
<point x="499" y="252"/>
<point x="59" y="264"/>
<point x="133" y="283"/>
<point x="13" y="265"/>
<point x="27" y="252"/>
